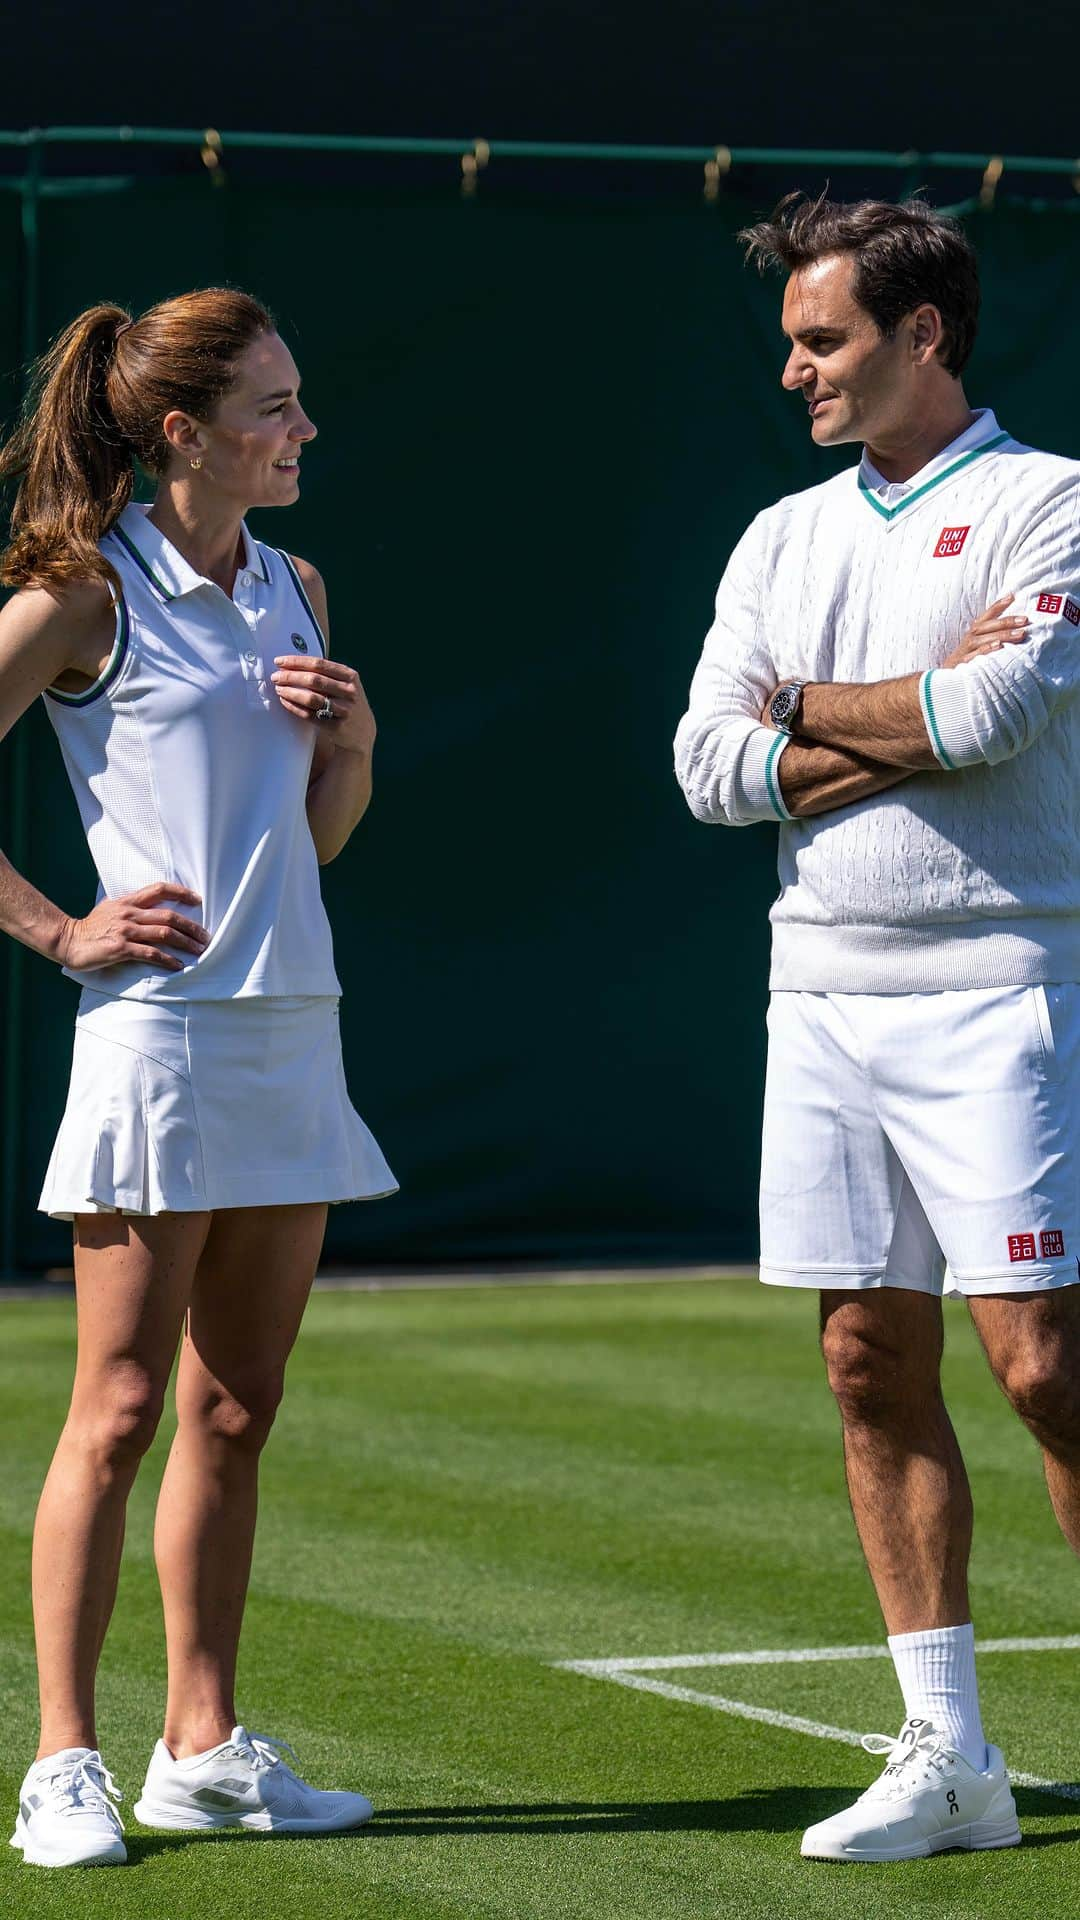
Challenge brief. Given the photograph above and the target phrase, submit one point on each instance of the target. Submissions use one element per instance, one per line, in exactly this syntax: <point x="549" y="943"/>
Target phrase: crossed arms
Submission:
<point x="853" y="741"/>
<point x="989" y="700"/>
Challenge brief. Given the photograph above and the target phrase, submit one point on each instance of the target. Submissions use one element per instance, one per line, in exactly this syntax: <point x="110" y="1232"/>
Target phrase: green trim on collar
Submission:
<point x="771" y="780"/>
<point x="115" y="662"/>
<point x="164" y="591"/>
<point x="890" y="513"/>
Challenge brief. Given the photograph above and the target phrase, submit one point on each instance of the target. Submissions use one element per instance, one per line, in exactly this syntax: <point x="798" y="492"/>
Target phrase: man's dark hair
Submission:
<point x="903" y="256"/>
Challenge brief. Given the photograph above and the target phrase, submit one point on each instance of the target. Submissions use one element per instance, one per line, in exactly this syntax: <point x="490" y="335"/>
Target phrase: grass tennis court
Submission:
<point x="466" y="1487"/>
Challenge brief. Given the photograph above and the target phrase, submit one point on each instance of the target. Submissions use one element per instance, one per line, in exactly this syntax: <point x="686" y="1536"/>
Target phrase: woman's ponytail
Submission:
<point x="74" y="465"/>
<point x="99" y="402"/>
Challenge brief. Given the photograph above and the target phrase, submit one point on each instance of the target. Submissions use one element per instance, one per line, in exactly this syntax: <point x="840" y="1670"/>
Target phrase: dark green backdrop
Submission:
<point x="542" y="429"/>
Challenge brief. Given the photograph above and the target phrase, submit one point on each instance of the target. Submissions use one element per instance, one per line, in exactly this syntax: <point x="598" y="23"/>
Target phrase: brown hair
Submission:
<point x="96" y="405"/>
<point x="903" y="255"/>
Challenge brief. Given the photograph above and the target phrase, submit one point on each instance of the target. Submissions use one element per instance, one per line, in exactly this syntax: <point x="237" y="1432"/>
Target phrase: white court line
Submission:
<point x="796" y="1656"/>
<point x="631" y="1673"/>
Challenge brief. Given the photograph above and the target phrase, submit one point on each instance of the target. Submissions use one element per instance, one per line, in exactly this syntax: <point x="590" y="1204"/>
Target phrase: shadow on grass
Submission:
<point x="758" y="1810"/>
<point x="776" y="1810"/>
<point x="143" y="1846"/>
<point x="1033" y="1804"/>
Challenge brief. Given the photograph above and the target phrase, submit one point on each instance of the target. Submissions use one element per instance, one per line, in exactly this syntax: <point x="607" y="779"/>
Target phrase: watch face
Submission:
<point x="784" y="704"/>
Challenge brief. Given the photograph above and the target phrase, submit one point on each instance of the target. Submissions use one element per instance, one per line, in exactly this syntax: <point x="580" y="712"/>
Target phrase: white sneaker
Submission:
<point x="242" y="1783"/>
<point x="928" y="1799"/>
<point x="66" y="1815"/>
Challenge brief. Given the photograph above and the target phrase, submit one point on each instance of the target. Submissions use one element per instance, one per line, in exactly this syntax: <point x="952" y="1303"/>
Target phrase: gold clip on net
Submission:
<point x="472" y="164"/>
<point x="994" y="170"/>
<point x="212" y="156"/>
<point x="715" y="171"/>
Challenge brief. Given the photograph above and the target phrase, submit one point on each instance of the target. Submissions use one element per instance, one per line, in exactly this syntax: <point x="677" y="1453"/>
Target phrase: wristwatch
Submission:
<point x="784" y="706"/>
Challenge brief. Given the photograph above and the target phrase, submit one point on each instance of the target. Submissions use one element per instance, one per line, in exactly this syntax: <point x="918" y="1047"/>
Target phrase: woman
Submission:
<point x="217" y="756"/>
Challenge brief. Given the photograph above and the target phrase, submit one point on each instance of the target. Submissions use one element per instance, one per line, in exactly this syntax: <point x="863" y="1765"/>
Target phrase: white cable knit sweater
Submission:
<point x="967" y="877"/>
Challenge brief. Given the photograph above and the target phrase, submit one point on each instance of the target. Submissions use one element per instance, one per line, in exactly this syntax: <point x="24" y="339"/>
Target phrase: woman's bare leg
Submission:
<point x="133" y="1278"/>
<point x="247" y="1303"/>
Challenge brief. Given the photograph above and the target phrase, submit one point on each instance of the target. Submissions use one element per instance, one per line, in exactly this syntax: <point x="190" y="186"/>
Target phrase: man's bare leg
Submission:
<point x="912" y="1507"/>
<point x="1032" y="1341"/>
<point x="906" y="1479"/>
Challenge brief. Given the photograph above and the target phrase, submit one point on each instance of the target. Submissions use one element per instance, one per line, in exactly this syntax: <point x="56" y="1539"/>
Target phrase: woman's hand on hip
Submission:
<point x="134" y="927"/>
<point x="303" y="686"/>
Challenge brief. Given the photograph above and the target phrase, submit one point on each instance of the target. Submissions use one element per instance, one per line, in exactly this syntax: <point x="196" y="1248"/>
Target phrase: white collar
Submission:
<point x="983" y="426"/>
<point x="162" y="563"/>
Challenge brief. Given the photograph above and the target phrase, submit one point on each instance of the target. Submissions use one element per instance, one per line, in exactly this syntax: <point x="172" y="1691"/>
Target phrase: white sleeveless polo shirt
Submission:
<point x="187" y="768"/>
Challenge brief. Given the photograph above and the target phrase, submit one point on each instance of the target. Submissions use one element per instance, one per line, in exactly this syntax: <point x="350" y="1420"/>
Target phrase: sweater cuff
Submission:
<point x="947" y="714"/>
<point x="759" y="776"/>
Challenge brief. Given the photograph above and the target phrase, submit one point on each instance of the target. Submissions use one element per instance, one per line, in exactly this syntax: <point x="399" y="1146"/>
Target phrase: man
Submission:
<point x="924" y="762"/>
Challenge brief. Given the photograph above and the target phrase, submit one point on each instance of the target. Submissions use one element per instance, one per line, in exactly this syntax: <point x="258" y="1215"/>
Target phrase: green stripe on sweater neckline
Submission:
<point x="890" y="513"/>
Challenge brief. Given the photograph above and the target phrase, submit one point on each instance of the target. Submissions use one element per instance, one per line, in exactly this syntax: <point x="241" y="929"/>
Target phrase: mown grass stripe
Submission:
<point x="802" y="1656"/>
<point x="796" y="1723"/>
<point x="466" y="1486"/>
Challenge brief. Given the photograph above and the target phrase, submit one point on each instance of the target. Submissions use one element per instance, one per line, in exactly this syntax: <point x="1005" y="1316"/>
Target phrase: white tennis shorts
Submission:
<point x="183" y="1106"/>
<point x="910" y="1133"/>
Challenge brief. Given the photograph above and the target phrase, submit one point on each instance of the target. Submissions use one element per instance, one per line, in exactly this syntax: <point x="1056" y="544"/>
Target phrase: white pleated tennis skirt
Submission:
<point x="184" y="1106"/>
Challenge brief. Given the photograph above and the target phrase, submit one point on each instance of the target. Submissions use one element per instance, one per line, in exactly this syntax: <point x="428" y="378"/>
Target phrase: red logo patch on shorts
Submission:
<point x="1072" y="612"/>
<point x="1021" y="1246"/>
<point x="1051" y="1245"/>
<point x="950" y="542"/>
<point x="1048" y="603"/>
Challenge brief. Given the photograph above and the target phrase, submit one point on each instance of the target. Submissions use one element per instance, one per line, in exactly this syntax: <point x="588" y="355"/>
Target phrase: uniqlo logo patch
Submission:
<point x="1072" y="612"/>
<point x="1048" y="603"/>
<point x="950" y="542"/>
<point x="1021" y="1246"/>
<point x="1051" y="1245"/>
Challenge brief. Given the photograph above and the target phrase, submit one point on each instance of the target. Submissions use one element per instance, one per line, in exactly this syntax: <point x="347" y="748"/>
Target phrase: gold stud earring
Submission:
<point x="195" y="465"/>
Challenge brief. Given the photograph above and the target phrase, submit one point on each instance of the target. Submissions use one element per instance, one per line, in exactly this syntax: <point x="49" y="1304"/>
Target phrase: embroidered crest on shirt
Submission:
<point x="950" y="542"/>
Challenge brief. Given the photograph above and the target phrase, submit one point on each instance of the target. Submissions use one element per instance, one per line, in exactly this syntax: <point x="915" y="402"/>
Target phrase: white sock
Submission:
<point x="936" y="1671"/>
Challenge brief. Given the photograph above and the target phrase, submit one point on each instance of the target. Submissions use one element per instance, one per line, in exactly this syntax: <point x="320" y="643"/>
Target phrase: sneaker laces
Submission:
<point x="911" y="1761"/>
<point x="86" y="1785"/>
<point x="262" y="1750"/>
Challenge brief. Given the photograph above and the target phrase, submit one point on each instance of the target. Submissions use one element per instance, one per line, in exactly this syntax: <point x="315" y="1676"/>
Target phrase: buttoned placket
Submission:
<point x="251" y="662"/>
